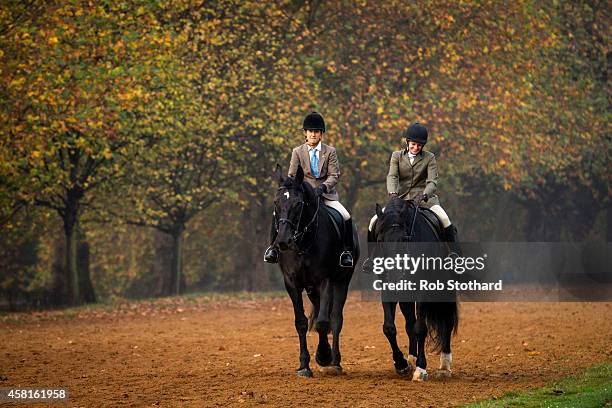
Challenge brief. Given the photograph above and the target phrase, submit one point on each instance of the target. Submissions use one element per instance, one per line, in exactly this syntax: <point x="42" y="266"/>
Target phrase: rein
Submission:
<point x="416" y="210"/>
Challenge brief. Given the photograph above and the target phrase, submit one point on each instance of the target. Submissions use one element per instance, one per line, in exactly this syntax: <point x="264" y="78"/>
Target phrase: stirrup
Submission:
<point x="453" y="254"/>
<point x="351" y="259"/>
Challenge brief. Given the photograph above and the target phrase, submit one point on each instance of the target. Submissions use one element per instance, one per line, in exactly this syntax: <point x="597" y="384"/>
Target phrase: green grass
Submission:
<point x="591" y="389"/>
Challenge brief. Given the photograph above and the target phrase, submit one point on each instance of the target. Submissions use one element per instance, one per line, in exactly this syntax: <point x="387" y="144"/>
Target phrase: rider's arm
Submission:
<point x="432" y="177"/>
<point x="294" y="163"/>
<point x="393" y="176"/>
<point x="333" y="170"/>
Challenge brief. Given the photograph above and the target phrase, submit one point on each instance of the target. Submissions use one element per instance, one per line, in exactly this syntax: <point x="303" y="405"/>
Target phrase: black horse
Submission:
<point x="309" y="252"/>
<point x="439" y="319"/>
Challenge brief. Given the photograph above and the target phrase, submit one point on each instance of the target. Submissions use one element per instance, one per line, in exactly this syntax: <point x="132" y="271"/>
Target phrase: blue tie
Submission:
<point x="314" y="163"/>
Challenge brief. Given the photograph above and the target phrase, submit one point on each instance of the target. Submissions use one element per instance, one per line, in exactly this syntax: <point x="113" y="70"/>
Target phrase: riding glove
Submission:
<point x="322" y="189"/>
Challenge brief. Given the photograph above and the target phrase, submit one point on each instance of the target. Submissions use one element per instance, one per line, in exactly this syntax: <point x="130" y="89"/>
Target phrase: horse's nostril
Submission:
<point x="283" y="246"/>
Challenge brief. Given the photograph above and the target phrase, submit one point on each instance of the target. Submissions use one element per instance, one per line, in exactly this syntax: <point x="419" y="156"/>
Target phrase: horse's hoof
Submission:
<point x="304" y="372"/>
<point x="441" y="373"/>
<point x="323" y="362"/>
<point x="419" y="374"/>
<point x="405" y="372"/>
<point x="331" y="370"/>
<point x="404" y="368"/>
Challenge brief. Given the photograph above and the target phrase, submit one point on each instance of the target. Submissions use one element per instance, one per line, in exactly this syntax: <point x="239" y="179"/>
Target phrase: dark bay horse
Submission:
<point x="438" y="319"/>
<point x="309" y="252"/>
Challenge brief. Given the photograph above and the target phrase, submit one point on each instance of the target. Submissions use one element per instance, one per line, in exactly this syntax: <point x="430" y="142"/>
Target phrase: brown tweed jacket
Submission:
<point x="329" y="169"/>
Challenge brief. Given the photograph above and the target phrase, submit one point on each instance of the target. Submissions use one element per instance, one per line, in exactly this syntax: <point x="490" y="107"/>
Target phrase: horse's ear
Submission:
<point x="379" y="212"/>
<point x="278" y="174"/>
<point x="299" y="175"/>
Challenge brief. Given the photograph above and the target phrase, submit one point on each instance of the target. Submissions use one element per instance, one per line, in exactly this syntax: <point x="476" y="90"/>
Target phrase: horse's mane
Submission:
<point x="291" y="183"/>
<point x="396" y="212"/>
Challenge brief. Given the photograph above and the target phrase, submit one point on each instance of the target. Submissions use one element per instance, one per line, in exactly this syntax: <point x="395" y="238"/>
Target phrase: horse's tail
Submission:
<point x="442" y="319"/>
<point x="312" y="317"/>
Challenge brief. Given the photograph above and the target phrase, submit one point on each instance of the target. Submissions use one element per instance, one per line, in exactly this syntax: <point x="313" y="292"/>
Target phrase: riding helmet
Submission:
<point x="314" y="121"/>
<point x="417" y="133"/>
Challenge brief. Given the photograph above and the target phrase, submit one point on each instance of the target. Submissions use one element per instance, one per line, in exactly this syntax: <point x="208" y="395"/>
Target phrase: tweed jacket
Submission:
<point x="408" y="180"/>
<point x="329" y="169"/>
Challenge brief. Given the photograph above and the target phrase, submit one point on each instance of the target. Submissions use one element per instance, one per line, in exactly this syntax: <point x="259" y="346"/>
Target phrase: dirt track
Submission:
<point x="246" y="354"/>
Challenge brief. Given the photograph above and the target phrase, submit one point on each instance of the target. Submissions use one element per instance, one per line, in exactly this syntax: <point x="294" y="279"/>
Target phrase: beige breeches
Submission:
<point x="438" y="210"/>
<point x="338" y="207"/>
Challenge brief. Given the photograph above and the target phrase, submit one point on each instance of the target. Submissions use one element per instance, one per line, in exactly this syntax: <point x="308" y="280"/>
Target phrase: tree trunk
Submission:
<point x="175" y="280"/>
<point x="352" y="192"/>
<point x="60" y="276"/>
<point x="162" y="266"/>
<point x="542" y="224"/>
<point x="72" y="274"/>
<point x="85" y="287"/>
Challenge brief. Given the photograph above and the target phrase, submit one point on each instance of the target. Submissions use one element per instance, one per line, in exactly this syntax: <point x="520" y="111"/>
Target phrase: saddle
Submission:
<point x="339" y="226"/>
<point x="433" y="221"/>
<point x="336" y="219"/>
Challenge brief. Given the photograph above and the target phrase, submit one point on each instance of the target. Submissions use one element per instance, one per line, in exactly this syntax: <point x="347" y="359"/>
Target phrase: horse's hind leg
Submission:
<point x="340" y="292"/>
<point x="322" y="318"/>
<point x="446" y="358"/>
<point x="301" y="326"/>
<point x="323" y="356"/>
<point x="401" y="365"/>
<point x="408" y="311"/>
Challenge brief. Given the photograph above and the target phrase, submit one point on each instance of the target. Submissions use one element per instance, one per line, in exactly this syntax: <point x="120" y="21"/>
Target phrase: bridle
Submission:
<point x="409" y="237"/>
<point x="298" y="235"/>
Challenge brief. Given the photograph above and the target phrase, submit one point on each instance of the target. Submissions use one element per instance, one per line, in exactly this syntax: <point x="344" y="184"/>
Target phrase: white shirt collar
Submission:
<point x="317" y="147"/>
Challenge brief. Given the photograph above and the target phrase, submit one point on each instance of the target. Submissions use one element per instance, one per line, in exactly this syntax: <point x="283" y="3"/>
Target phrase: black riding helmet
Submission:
<point x="417" y="133"/>
<point x="314" y="121"/>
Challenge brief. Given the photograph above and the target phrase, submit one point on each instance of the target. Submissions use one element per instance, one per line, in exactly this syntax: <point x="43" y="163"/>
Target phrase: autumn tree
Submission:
<point x="75" y="81"/>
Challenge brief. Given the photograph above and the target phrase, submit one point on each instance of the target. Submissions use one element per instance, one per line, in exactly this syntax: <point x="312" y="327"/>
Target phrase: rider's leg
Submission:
<point x="346" y="258"/>
<point x="271" y="254"/>
<point x="450" y="231"/>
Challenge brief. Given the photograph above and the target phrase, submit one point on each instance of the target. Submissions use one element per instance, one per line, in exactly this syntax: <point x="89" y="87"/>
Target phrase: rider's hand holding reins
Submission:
<point x="320" y="190"/>
<point x="420" y="197"/>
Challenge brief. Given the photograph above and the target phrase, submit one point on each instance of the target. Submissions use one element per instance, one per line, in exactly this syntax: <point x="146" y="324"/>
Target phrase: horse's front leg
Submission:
<point x="420" y="327"/>
<point x="400" y="363"/>
<point x="301" y="326"/>
<point x="408" y="310"/>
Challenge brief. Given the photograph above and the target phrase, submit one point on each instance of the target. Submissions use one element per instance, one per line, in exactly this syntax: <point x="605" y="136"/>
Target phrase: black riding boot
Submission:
<point x="346" y="257"/>
<point x="271" y="255"/>
<point x="450" y="234"/>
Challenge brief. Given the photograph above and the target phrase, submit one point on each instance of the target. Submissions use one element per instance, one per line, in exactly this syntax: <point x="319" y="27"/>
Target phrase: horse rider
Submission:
<point x="413" y="175"/>
<point x="321" y="171"/>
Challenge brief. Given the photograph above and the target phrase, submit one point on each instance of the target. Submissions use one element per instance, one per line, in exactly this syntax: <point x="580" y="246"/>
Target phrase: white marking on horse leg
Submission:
<point x="419" y="374"/>
<point x="445" y="361"/>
